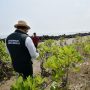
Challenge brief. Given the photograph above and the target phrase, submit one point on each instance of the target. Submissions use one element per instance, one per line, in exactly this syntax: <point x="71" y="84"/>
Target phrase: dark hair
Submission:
<point x="34" y="33"/>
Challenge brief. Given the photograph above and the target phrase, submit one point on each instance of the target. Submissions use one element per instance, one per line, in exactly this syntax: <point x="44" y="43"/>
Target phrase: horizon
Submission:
<point x="70" y="33"/>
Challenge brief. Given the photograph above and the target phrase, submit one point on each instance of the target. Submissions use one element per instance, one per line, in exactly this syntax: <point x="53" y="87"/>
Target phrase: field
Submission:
<point x="62" y="65"/>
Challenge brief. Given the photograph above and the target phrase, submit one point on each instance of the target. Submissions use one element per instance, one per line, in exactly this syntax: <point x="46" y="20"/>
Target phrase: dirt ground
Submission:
<point x="79" y="80"/>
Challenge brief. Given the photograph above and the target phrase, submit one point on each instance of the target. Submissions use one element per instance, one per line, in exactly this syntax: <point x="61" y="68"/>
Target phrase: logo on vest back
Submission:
<point x="13" y="42"/>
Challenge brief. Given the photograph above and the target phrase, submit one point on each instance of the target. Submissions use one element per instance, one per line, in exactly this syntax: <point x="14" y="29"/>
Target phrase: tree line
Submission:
<point x="46" y="37"/>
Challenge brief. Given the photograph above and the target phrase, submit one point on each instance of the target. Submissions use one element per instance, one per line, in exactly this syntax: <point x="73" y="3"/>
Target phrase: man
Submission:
<point x="21" y="49"/>
<point x="35" y="39"/>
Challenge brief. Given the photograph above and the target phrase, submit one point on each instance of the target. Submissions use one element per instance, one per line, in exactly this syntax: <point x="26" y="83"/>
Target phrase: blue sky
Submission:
<point x="52" y="17"/>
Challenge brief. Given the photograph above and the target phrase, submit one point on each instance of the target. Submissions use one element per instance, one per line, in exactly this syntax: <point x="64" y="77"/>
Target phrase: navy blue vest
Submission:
<point x="18" y="51"/>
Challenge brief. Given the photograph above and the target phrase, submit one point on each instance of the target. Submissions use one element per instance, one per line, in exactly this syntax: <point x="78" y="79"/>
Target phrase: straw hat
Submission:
<point x="22" y="23"/>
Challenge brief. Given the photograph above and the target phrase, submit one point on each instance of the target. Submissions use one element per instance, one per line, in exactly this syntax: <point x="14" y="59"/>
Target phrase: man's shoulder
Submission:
<point x="10" y="35"/>
<point x="36" y="37"/>
<point x="24" y="35"/>
<point x="18" y="35"/>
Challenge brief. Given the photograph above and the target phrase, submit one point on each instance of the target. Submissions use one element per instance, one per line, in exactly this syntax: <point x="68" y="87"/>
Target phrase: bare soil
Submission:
<point x="80" y="80"/>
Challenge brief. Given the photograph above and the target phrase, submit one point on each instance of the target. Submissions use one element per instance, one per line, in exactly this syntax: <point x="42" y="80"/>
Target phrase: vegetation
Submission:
<point x="57" y="61"/>
<point x="28" y="84"/>
<point x="6" y="70"/>
<point x="46" y="37"/>
<point x="56" y="58"/>
<point x="3" y="52"/>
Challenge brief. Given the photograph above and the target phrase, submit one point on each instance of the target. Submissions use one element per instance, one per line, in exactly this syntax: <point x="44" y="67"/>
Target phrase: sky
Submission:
<point x="46" y="17"/>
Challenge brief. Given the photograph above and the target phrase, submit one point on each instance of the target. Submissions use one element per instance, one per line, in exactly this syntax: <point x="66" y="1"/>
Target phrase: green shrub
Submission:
<point x="30" y="83"/>
<point x="3" y="52"/>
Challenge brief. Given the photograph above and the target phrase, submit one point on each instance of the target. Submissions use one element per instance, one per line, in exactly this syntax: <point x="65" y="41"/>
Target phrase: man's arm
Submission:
<point x="31" y="48"/>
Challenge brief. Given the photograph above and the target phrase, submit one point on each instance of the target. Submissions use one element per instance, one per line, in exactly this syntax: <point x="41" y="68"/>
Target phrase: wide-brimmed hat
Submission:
<point x="21" y="23"/>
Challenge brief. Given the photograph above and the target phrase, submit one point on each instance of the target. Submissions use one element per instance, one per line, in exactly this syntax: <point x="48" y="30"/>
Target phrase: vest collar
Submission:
<point x="19" y="31"/>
